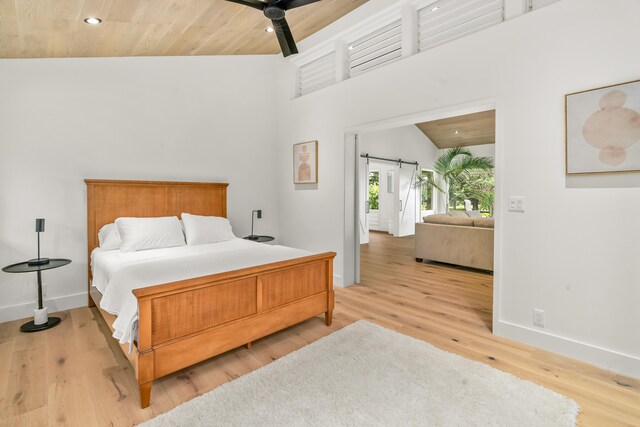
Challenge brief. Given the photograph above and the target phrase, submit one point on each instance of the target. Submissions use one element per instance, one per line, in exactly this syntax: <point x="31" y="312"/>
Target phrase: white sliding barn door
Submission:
<point x="407" y="204"/>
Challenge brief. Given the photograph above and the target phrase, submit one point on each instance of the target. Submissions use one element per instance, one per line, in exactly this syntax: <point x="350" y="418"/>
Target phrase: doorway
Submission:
<point x="424" y="201"/>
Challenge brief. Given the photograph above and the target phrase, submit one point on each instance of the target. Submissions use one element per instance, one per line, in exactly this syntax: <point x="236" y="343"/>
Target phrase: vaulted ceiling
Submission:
<point x="55" y="28"/>
<point x="462" y="131"/>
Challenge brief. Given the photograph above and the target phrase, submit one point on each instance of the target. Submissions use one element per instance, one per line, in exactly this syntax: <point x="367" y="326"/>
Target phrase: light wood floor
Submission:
<point x="75" y="374"/>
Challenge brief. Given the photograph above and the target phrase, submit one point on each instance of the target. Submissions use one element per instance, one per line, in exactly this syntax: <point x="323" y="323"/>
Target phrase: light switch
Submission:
<point x="516" y="204"/>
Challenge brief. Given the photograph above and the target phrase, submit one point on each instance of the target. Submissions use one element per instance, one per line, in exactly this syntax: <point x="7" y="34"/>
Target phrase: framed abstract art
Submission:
<point x="603" y="130"/>
<point x="305" y="163"/>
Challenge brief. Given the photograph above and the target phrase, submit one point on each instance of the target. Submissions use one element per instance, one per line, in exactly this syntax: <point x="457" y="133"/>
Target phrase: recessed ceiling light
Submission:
<point x="269" y="29"/>
<point x="456" y="132"/>
<point x="92" y="20"/>
<point x="434" y="9"/>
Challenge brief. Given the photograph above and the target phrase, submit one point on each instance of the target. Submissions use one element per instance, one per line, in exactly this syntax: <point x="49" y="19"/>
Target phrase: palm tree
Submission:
<point x="457" y="165"/>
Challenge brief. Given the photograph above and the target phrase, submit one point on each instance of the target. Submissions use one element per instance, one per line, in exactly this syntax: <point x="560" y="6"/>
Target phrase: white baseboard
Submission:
<point x="623" y="364"/>
<point x="23" y="311"/>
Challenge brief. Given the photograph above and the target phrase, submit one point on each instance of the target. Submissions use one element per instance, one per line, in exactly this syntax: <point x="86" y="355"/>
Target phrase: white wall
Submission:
<point x="61" y="121"/>
<point x="573" y="252"/>
<point x="485" y="150"/>
<point x="407" y="143"/>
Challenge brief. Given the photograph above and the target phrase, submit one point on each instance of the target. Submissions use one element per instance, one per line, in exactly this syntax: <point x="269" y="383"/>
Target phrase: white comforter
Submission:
<point x="116" y="274"/>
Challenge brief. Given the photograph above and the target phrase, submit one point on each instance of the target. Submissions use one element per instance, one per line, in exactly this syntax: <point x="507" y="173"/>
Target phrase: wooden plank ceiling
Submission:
<point x="55" y="28"/>
<point x="462" y="131"/>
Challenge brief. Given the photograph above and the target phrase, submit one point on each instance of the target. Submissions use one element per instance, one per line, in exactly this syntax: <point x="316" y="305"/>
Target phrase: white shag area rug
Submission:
<point x="366" y="375"/>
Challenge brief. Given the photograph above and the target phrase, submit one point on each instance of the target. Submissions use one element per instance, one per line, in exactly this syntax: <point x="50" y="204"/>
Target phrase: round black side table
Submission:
<point x="260" y="239"/>
<point x="24" y="267"/>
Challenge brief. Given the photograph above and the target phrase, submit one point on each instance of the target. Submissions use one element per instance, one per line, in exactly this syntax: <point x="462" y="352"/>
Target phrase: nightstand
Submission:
<point x="24" y="267"/>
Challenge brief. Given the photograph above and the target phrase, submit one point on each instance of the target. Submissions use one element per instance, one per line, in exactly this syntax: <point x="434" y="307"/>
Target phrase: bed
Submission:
<point x="181" y="323"/>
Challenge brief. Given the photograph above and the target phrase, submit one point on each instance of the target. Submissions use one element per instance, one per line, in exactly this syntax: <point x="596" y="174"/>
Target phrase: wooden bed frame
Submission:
<point x="186" y="322"/>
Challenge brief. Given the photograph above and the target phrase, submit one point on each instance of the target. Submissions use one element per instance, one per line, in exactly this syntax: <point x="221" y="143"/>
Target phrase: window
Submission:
<point x="317" y="74"/>
<point x="376" y="49"/>
<point x="446" y="20"/>
<point x="426" y="191"/>
<point x="478" y="188"/>
<point x="374" y="190"/>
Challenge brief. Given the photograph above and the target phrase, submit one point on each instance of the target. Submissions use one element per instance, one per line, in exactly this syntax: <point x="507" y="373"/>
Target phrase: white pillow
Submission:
<point x="109" y="238"/>
<point x="201" y="230"/>
<point x="138" y="234"/>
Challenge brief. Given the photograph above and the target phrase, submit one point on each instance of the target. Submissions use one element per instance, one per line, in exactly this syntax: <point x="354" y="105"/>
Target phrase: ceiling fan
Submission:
<point x="275" y="11"/>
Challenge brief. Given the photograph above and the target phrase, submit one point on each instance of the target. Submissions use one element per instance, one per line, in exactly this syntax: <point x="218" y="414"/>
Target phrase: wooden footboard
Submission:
<point x="186" y="322"/>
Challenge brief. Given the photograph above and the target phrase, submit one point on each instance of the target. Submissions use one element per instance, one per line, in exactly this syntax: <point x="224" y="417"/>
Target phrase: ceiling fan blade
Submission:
<point x="292" y="4"/>
<point x="256" y="4"/>
<point x="285" y="38"/>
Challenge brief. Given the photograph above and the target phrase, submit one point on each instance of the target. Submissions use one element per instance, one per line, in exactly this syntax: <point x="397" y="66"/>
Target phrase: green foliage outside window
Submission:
<point x="374" y="189"/>
<point x="467" y="177"/>
<point x="477" y="187"/>
<point x="427" y="191"/>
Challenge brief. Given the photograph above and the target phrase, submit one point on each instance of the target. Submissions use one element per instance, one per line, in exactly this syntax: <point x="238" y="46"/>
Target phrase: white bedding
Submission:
<point x="116" y="274"/>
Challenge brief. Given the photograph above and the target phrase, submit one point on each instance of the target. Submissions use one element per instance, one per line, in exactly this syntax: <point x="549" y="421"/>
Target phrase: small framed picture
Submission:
<point x="305" y="163"/>
<point x="603" y="130"/>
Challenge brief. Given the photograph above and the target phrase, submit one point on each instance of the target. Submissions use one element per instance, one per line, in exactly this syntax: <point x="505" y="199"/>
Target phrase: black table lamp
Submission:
<point x="39" y="229"/>
<point x="253" y="236"/>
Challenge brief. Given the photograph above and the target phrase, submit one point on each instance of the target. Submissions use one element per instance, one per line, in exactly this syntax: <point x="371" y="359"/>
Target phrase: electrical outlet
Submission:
<point x="538" y="317"/>
<point x="516" y="204"/>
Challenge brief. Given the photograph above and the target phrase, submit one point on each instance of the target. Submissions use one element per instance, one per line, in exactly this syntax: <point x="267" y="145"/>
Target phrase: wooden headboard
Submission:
<point x="108" y="200"/>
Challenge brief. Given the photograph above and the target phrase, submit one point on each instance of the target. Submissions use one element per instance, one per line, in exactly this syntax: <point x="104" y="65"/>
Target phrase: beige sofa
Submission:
<point x="459" y="238"/>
